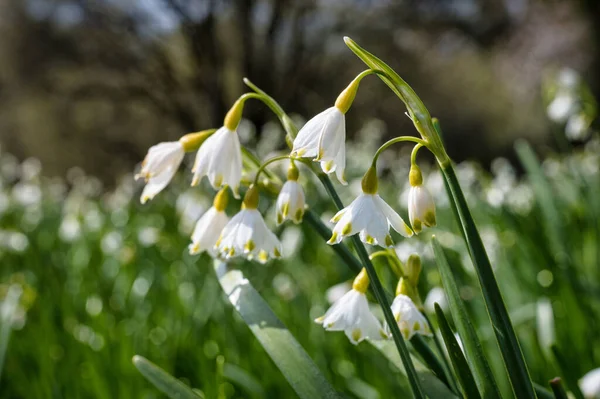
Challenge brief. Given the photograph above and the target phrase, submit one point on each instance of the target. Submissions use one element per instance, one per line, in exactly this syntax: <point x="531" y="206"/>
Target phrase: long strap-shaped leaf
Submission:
<point x="473" y="348"/>
<point x="433" y="386"/>
<point x="501" y="324"/>
<point x="457" y="357"/>
<point x="162" y="380"/>
<point x="293" y="361"/>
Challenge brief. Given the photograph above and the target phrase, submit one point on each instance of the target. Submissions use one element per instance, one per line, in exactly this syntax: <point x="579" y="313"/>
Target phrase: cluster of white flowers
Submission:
<point x="570" y="106"/>
<point x="351" y="314"/>
<point x="322" y="139"/>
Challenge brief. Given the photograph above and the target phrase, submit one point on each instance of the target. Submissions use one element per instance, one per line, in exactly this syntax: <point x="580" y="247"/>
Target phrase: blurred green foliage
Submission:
<point x="100" y="278"/>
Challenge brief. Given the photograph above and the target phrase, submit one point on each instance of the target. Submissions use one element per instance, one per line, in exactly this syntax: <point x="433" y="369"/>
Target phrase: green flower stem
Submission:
<point x="446" y="363"/>
<point x="380" y="296"/>
<point x="394" y="263"/>
<point x="395" y="140"/>
<point x="389" y="318"/>
<point x="430" y="358"/>
<point x="341" y="249"/>
<point x="267" y="163"/>
<point x="413" y="154"/>
<point x="558" y="389"/>
<point x="502" y="326"/>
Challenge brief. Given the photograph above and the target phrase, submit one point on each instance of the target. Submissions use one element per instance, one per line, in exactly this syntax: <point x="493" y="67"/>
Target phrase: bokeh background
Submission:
<point x="89" y="277"/>
<point x="95" y="83"/>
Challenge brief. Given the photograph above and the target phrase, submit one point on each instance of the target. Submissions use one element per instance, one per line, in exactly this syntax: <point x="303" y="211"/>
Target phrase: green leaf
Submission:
<point x="244" y="379"/>
<point x="558" y="389"/>
<point x="291" y="359"/>
<point x="433" y="387"/>
<point x="162" y="380"/>
<point x="501" y="324"/>
<point x="457" y="357"/>
<point x="567" y="372"/>
<point x="482" y="372"/>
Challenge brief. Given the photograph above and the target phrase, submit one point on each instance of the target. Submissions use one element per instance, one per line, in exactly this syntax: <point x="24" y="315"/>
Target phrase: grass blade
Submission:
<point x="558" y="389"/>
<point x="502" y="326"/>
<point x="480" y="367"/>
<point x="567" y="372"/>
<point x="461" y="367"/>
<point x="162" y="380"/>
<point x="291" y="359"/>
<point x="433" y="387"/>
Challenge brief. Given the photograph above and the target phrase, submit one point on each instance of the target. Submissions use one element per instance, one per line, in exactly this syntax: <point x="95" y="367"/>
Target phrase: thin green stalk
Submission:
<point x="471" y="343"/>
<point x="567" y="372"/>
<point x="502" y="326"/>
<point x="558" y="389"/>
<point x="436" y="365"/>
<point x="446" y="363"/>
<point x="461" y="367"/>
<point x="379" y="294"/>
<point x="341" y="249"/>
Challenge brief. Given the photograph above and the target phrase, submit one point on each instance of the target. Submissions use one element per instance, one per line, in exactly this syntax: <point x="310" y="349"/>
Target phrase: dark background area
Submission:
<point x="95" y="83"/>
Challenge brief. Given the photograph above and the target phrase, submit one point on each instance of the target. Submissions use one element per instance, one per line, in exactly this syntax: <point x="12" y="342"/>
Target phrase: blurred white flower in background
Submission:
<point x="590" y="384"/>
<point x="436" y="295"/>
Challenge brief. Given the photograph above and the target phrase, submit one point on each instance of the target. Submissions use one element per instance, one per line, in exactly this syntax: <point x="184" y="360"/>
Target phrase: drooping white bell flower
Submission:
<point x="410" y="320"/>
<point x="290" y="202"/>
<point x="210" y="225"/>
<point x="220" y="159"/>
<point x="370" y="216"/>
<point x="247" y="234"/>
<point x="159" y="167"/>
<point x="352" y="315"/>
<point x="590" y="384"/>
<point x="421" y="208"/>
<point x="324" y="139"/>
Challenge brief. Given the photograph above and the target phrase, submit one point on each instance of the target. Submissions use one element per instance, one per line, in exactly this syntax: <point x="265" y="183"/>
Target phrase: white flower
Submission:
<point x="352" y="315"/>
<point x="370" y="216"/>
<point x="290" y="202"/>
<point x="590" y="384"/>
<point x="324" y="139"/>
<point x="577" y="127"/>
<point x="207" y="231"/>
<point x="410" y="320"/>
<point x="421" y="208"/>
<point x="159" y="167"/>
<point x="561" y="107"/>
<point x="220" y="158"/>
<point x="247" y="233"/>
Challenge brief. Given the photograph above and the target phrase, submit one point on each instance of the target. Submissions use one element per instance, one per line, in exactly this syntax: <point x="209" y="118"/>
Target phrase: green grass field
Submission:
<point x="91" y="278"/>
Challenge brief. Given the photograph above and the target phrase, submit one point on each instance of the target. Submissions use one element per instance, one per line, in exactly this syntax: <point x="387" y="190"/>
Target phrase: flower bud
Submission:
<point x="413" y="269"/>
<point x="290" y="202"/>
<point x="421" y="208"/>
